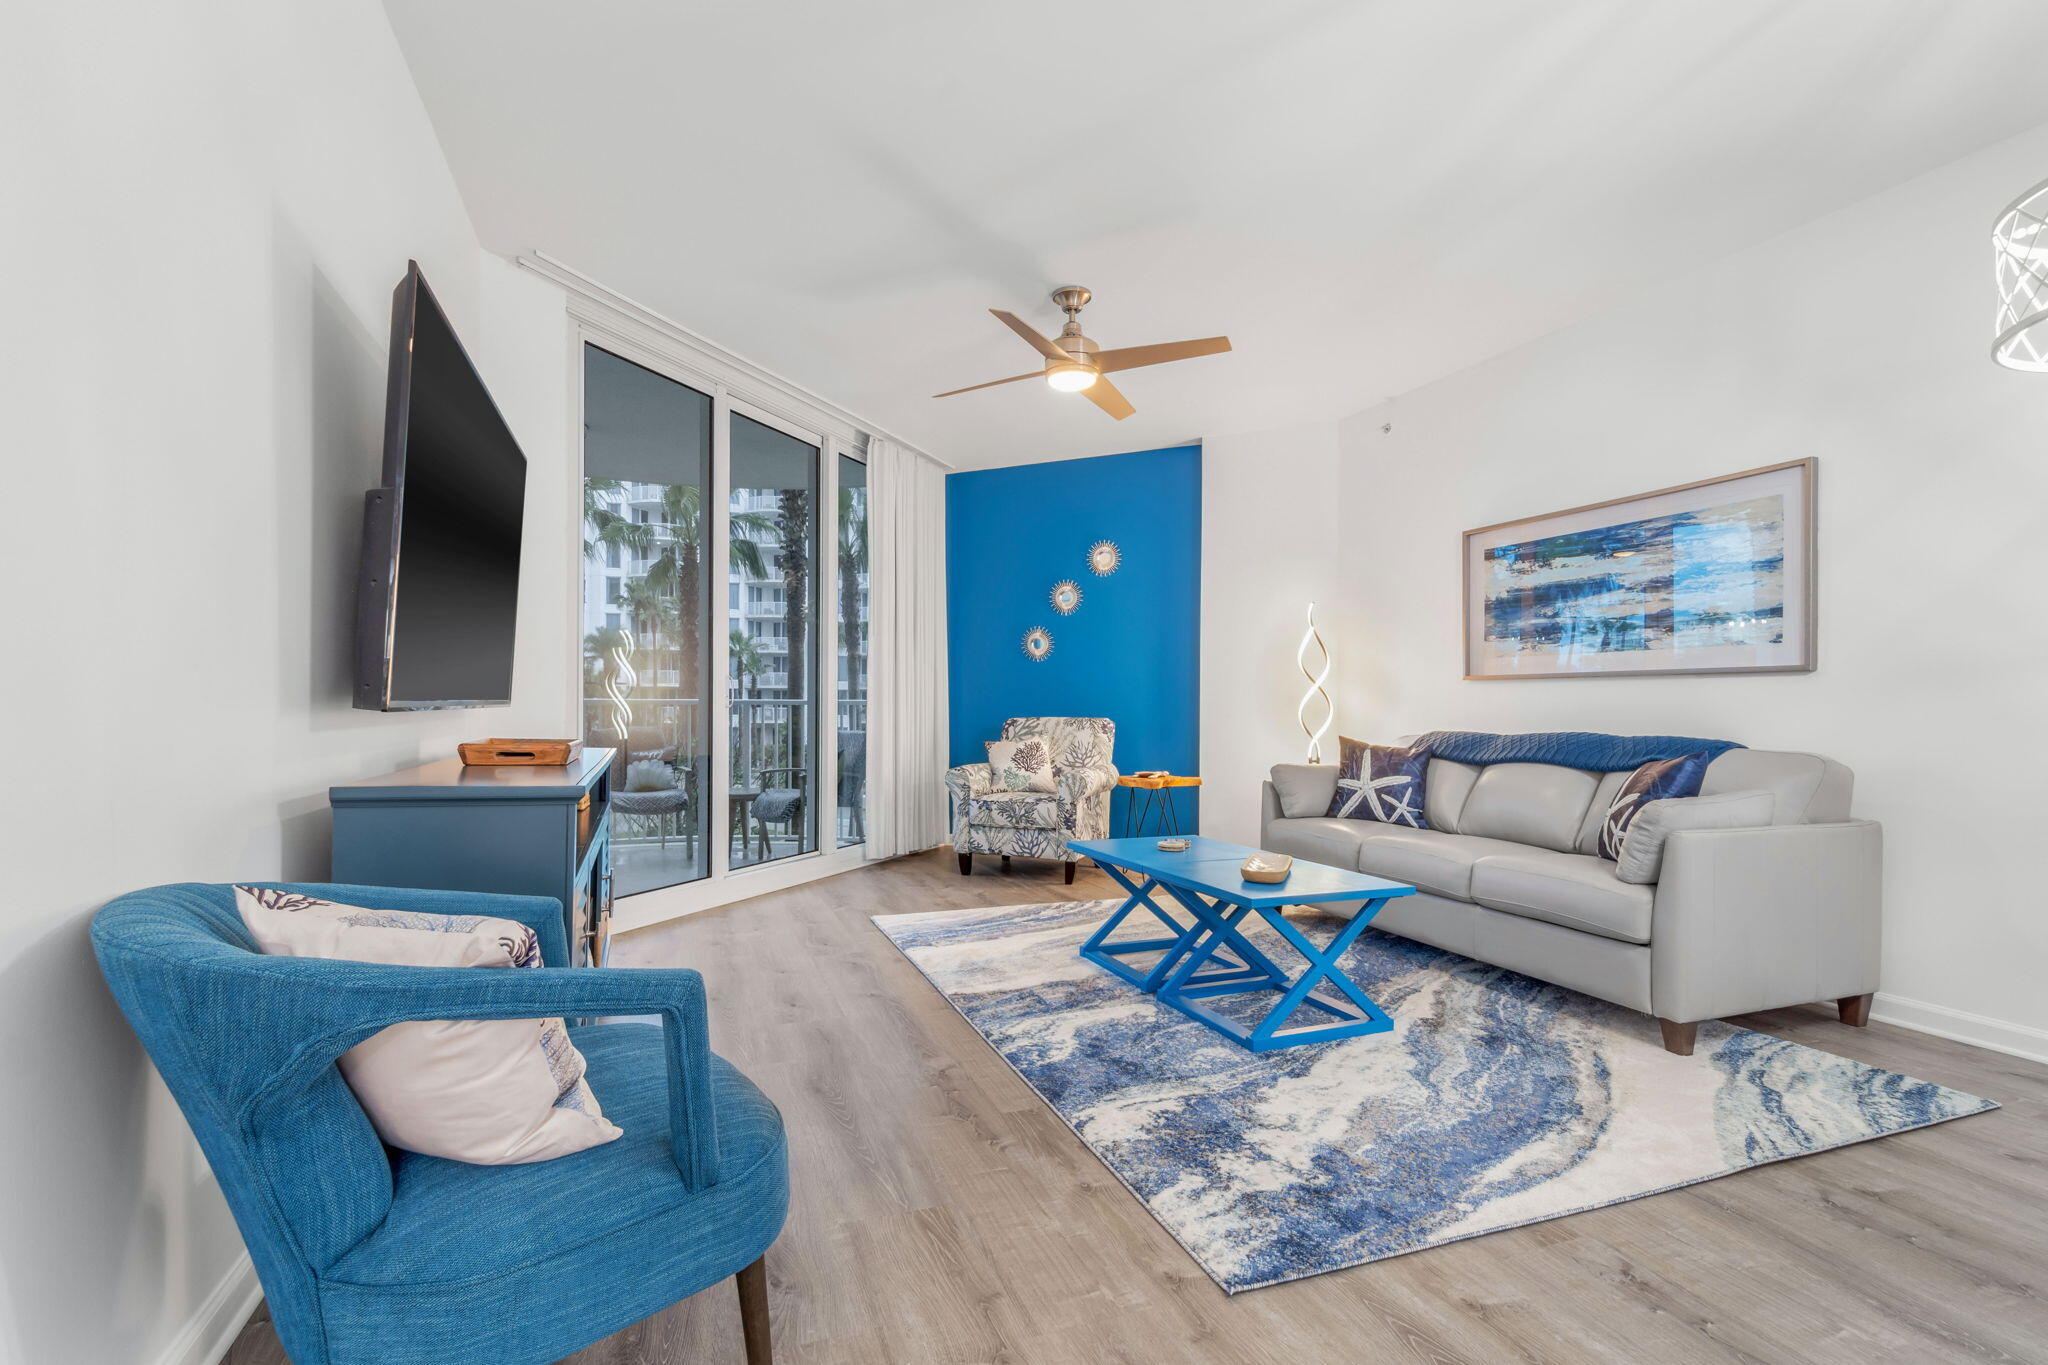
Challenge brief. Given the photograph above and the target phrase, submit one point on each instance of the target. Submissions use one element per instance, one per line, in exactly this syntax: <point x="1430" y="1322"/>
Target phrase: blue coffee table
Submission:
<point x="1209" y="957"/>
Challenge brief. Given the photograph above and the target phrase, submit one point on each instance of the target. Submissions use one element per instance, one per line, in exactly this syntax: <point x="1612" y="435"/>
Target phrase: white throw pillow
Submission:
<point x="1022" y="765"/>
<point x="496" y="1092"/>
<point x="1642" y="852"/>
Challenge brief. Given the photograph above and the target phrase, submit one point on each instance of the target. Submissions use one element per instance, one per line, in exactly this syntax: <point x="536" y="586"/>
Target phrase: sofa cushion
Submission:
<point x="1015" y="810"/>
<point x="1596" y="813"/>
<point x="1319" y="839"/>
<point x="1576" y="890"/>
<point x="1529" y="803"/>
<point x="1304" y="789"/>
<point x="1445" y="790"/>
<point x="1428" y="859"/>
<point x="1810" y="790"/>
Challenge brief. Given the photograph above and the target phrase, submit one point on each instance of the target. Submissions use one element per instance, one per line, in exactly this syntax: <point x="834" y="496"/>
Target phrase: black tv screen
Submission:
<point x="440" y="582"/>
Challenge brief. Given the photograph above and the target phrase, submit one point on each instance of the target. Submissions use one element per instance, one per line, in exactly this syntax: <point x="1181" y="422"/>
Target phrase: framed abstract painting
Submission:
<point x="1708" y="577"/>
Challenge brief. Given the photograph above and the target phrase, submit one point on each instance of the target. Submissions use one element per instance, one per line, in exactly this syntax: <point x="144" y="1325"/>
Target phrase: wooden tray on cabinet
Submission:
<point x="538" y="753"/>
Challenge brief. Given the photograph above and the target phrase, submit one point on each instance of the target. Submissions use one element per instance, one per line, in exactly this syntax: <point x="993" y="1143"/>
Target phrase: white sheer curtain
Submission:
<point x="907" y="652"/>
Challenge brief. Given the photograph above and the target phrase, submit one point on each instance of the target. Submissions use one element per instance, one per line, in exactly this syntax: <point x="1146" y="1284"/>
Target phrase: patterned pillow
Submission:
<point x="1022" y="765"/>
<point x="496" y="1092"/>
<point x="1663" y="780"/>
<point x="1380" y="782"/>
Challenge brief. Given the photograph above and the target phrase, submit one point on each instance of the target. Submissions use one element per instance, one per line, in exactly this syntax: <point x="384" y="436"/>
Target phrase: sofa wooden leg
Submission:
<point x="1070" y="874"/>
<point x="1006" y="862"/>
<point x="967" y="864"/>
<point x="753" y="1283"/>
<point x="1679" y="1038"/>
<point x="1855" y="1009"/>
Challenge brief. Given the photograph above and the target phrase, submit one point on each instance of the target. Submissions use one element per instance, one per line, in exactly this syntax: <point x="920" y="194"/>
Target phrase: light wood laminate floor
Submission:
<point x="941" y="1213"/>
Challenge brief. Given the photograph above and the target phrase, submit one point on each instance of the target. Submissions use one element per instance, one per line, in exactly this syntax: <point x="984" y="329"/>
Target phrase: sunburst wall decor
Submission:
<point x="1104" y="557"/>
<point x="1066" y="596"/>
<point x="1037" y="644"/>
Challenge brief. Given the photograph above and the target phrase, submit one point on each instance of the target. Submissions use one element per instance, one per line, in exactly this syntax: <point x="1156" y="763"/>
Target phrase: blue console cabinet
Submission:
<point x="529" y="831"/>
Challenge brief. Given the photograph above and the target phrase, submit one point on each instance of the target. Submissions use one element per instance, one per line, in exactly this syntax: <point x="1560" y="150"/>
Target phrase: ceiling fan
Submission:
<point x="1074" y="364"/>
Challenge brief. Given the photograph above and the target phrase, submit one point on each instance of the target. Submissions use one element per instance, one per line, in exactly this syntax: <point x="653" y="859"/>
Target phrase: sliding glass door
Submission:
<point x="772" y="595"/>
<point x="724" y="622"/>
<point x="647" y="464"/>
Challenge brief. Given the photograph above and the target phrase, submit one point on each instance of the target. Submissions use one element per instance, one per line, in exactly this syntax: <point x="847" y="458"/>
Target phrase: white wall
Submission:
<point x="205" y="208"/>
<point x="1861" y="339"/>
<point x="1270" y="539"/>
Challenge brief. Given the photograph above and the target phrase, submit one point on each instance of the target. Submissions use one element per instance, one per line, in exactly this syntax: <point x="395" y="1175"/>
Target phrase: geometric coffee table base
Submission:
<point x="1210" y="957"/>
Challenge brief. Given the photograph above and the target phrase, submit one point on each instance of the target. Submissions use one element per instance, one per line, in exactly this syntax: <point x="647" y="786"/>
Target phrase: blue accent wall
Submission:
<point x="1132" y="651"/>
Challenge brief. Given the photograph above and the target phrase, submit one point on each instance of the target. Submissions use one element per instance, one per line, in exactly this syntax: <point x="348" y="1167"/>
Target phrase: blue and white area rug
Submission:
<point x="1496" y="1101"/>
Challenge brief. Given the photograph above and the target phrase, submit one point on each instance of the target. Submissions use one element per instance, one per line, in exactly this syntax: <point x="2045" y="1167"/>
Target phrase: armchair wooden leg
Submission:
<point x="1006" y="862"/>
<point x="1070" y="874"/>
<point x="1679" y="1038"/>
<point x="1855" y="1009"/>
<point x="967" y="864"/>
<point x="753" y="1283"/>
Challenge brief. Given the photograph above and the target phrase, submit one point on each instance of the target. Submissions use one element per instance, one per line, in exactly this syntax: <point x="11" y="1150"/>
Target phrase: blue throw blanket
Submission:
<point x="1568" y="748"/>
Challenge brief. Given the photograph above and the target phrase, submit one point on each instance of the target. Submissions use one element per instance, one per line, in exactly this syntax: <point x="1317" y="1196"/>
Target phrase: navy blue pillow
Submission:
<point x="1660" y="781"/>
<point x="1380" y="782"/>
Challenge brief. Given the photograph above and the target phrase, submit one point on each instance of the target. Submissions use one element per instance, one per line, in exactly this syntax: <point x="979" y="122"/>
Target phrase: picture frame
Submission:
<point x="1709" y="577"/>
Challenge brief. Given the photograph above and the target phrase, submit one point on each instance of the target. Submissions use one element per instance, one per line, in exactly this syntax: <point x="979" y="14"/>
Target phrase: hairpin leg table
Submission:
<point x="1150" y="797"/>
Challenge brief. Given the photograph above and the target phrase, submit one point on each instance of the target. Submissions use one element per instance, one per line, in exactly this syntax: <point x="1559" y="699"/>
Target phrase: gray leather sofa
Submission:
<point x="1736" y="920"/>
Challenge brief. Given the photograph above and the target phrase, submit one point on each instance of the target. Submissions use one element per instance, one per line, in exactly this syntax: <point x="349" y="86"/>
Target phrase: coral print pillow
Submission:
<point x="1022" y="765"/>
<point x="1664" y="780"/>
<point x="496" y="1092"/>
<point x="1380" y="782"/>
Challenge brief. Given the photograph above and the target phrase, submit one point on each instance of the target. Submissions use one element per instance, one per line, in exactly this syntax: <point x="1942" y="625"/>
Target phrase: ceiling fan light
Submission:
<point x="1069" y="378"/>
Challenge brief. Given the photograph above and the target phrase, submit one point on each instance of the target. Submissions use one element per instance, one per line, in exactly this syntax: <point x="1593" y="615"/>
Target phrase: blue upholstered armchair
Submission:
<point x="372" y="1256"/>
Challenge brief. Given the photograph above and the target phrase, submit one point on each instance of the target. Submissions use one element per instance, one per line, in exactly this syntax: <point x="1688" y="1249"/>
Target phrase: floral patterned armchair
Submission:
<point x="1038" y="824"/>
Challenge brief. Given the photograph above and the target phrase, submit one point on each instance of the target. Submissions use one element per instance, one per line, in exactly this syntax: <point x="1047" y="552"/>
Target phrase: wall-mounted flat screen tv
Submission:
<point x="439" y="592"/>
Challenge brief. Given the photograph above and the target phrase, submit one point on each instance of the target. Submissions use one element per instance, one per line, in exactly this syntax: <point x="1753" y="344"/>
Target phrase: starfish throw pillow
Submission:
<point x="1380" y="782"/>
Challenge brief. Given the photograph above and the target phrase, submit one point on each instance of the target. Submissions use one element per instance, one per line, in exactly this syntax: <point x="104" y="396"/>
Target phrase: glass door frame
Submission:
<point x="824" y="671"/>
<point x="730" y="393"/>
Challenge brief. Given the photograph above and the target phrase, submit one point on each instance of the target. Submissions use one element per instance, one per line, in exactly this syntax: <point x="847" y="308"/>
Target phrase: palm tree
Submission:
<point x="609" y="527"/>
<point x="597" y="651"/>
<point x="676" y="573"/>
<point x="853" y="558"/>
<point x="793" y="527"/>
<point x="652" y="614"/>
<point x="748" y="662"/>
<point x="678" y="569"/>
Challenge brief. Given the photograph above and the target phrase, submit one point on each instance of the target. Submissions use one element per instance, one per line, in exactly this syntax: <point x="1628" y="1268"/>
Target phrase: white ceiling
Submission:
<point x="1364" y="196"/>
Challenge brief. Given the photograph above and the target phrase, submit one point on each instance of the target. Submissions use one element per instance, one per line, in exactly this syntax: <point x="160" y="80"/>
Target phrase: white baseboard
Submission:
<point x="1976" y="1029"/>
<point x="206" y="1338"/>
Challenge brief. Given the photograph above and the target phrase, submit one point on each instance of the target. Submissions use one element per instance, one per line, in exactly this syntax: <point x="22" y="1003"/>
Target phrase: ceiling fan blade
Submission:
<point x="1035" y="374"/>
<point x="1131" y="357"/>
<point x="1106" y="396"/>
<point x="1041" y="344"/>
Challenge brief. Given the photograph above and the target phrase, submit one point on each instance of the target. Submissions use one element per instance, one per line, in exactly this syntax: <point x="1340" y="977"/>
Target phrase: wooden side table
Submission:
<point x="1152" y="797"/>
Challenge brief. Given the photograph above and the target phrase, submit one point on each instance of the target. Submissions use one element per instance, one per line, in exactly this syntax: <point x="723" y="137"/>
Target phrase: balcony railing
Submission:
<point x="763" y="735"/>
